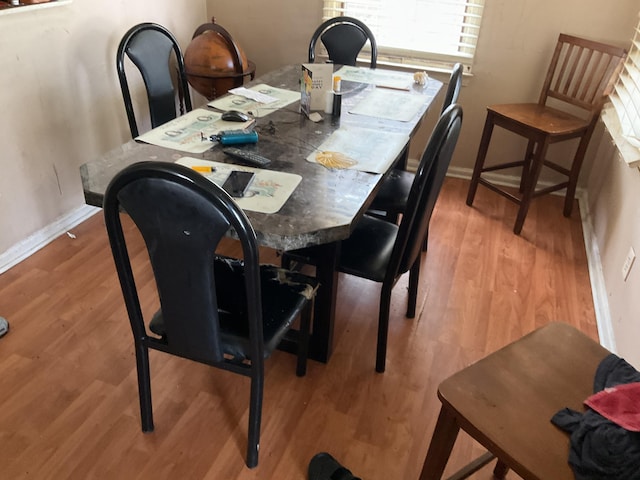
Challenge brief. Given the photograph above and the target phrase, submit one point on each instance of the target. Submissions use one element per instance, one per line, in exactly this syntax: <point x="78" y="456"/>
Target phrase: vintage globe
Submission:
<point x="211" y="65"/>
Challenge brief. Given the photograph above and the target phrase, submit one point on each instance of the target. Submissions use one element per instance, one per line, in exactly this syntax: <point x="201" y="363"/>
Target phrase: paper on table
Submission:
<point x="371" y="150"/>
<point x="257" y="109"/>
<point x="268" y="192"/>
<point x="381" y="78"/>
<point x="253" y="95"/>
<point x="389" y="104"/>
<point x="191" y="132"/>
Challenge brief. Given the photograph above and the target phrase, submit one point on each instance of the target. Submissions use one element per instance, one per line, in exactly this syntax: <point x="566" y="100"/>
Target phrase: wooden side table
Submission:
<point x="506" y="400"/>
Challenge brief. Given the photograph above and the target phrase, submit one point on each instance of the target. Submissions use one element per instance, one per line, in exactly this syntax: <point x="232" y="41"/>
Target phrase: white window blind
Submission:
<point x="626" y="102"/>
<point x="417" y="33"/>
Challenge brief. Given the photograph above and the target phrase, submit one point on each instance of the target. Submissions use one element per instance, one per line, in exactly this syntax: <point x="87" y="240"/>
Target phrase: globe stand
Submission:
<point x="207" y="78"/>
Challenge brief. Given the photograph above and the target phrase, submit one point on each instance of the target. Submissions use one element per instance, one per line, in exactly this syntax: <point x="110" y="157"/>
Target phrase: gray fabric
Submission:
<point x="4" y="326"/>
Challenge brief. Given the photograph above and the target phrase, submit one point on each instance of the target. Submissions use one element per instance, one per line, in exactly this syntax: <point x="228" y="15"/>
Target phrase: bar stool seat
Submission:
<point x="506" y="400"/>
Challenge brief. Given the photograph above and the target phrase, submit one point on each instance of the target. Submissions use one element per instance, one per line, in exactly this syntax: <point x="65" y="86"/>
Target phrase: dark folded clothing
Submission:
<point x="601" y="449"/>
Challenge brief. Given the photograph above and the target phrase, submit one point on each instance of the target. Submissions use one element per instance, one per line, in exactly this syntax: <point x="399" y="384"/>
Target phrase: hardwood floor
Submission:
<point x="68" y="392"/>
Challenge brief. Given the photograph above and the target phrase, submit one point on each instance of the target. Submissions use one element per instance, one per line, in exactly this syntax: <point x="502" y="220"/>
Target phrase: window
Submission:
<point x="424" y="34"/>
<point x="626" y="102"/>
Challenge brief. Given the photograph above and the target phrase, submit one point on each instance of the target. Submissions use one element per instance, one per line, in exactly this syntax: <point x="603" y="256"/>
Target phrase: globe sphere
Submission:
<point x="209" y="64"/>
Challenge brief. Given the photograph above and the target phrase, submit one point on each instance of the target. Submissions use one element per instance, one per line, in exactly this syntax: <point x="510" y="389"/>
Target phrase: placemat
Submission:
<point x="268" y="192"/>
<point x="360" y="149"/>
<point x="191" y="131"/>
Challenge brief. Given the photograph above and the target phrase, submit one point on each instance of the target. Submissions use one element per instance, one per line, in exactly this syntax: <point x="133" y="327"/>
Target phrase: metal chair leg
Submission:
<point x="144" y="387"/>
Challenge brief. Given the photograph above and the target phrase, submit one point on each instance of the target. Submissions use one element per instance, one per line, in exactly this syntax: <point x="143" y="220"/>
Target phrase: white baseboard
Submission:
<point x="596" y="275"/>
<point x="44" y="236"/>
<point x="594" y="263"/>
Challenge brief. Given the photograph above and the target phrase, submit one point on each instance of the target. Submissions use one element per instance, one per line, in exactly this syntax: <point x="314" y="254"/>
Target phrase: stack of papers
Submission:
<point x="245" y="101"/>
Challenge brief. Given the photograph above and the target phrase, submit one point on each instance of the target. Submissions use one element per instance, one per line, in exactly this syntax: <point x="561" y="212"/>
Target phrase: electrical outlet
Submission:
<point x="628" y="263"/>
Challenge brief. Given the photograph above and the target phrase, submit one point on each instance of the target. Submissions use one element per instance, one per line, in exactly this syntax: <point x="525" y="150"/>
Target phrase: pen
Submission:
<point x="203" y="168"/>
<point x="391" y="87"/>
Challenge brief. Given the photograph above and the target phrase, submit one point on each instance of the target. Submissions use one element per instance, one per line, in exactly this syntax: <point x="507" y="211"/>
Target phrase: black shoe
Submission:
<point x="324" y="467"/>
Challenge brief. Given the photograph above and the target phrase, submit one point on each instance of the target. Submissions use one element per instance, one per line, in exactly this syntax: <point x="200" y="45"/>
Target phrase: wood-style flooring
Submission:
<point x="68" y="391"/>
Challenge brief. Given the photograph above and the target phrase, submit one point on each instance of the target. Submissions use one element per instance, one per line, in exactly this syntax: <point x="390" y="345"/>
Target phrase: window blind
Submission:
<point x="626" y="102"/>
<point x="417" y="33"/>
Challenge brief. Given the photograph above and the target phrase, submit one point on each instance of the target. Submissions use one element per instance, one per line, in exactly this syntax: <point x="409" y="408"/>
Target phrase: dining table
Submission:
<point x="381" y="111"/>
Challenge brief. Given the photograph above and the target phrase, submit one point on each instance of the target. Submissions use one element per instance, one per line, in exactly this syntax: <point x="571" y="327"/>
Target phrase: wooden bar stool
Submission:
<point x="581" y="74"/>
<point x="506" y="400"/>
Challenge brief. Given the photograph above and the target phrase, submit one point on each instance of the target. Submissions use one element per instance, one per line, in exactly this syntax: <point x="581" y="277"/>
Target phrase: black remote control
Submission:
<point x="247" y="157"/>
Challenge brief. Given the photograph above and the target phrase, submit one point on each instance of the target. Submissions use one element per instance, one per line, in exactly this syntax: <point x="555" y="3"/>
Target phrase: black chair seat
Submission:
<point x="367" y="252"/>
<point x="394" y="192"/>
<point x="284" y="293"/>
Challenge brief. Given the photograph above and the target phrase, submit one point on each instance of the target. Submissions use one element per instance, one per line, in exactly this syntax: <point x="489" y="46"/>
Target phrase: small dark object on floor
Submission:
<point x="4" y="326"/>
<point x="324" y="467"/>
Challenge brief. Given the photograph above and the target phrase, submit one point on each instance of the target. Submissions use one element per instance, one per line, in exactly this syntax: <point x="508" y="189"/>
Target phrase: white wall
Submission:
<point x="60" y="101"/>
<point x="614" y="205"/>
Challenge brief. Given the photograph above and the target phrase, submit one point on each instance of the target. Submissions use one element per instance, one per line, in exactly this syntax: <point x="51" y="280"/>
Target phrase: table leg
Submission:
<point x="321" y="341"/>
<point x="325" y="260"/>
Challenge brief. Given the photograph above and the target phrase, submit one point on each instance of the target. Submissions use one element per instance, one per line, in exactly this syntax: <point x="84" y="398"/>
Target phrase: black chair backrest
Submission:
<point x="425" y="190"/>
<point x="343" y="37"/>
<point x="182" y="217"/>
<point x="453" y="89"/>
<point x="149" y="47"/>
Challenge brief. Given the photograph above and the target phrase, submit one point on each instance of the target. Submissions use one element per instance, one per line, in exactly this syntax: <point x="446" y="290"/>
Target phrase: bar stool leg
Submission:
<point x="480" y="159"/>
<point x="530" y="187"/>
<point x="442" y="441"/>
<point x="526" y="166"/>
<point x="574" y="172"/>
<point x="500" y="471"/>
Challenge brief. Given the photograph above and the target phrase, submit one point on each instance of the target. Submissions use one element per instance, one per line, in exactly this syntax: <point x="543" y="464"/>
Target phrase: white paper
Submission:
<point x="253" y="95"/>
<point x="381" y="78"/>
<point x="257" y="109"/>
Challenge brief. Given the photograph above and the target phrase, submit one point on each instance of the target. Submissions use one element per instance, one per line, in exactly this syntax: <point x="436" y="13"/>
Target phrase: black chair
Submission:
<point x="149" y="47"/>
<point x="382" y="251"/>
<point x="391" y="199"/>
<point x="343" y="37"/>
<point x="223" y="312"/>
